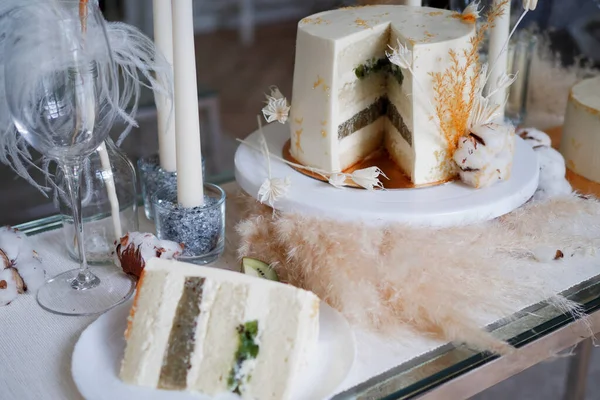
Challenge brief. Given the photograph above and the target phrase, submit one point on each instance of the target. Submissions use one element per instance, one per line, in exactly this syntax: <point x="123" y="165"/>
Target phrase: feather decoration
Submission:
<point x="137" y="59"/>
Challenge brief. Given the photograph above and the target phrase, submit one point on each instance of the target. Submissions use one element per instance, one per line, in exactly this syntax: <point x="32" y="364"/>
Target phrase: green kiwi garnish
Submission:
<point x="253" y="267"/>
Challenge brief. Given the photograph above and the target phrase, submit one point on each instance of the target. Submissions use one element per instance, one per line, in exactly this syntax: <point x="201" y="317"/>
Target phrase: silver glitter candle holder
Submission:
<point x="153" y="178"/>
<point x="200" y="229"/>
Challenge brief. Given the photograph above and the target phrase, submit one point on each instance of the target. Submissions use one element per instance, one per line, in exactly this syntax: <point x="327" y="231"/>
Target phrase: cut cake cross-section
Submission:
<point x="210" y="330"/>
<point x="348" y="100"/>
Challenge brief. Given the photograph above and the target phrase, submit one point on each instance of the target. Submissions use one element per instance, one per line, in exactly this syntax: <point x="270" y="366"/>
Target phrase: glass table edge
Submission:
<point x="587" y="294"/>
<point x="399" y="382"/>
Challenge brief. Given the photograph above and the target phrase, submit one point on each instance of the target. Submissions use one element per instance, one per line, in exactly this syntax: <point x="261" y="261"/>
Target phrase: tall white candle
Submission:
<point x="190" y="188"/>
<point x="111" y="190"/>
<point x="417" y="3"/>
<point x="498" y="56"/>
<point x="163" y="38"/>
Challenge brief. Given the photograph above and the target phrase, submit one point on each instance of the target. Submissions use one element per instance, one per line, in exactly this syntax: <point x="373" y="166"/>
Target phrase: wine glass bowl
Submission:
<point x="61" y="82"/>
<point x="62" y="94"/>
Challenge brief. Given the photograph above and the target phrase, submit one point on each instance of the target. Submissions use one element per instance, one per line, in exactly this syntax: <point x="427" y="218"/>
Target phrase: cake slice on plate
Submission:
<point x="213" y="331"/>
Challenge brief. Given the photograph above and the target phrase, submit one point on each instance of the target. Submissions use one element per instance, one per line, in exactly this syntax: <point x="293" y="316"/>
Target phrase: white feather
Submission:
<point x="136" y="56"/>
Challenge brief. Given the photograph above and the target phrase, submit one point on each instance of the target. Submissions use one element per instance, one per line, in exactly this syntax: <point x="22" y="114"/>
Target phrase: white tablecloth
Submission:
<point x="36" y="346"/>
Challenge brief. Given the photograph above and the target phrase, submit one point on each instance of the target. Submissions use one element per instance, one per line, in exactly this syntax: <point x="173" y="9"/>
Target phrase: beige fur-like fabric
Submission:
<point x="438" y="282"/>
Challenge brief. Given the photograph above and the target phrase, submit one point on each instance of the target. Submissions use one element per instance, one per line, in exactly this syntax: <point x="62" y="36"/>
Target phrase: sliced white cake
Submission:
<point x="581" y="131"/>
<point x="213" y="331"/>
<point x="348" y="100"/>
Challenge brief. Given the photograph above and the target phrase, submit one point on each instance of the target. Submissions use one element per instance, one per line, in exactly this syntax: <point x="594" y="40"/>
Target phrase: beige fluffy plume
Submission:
<point x="439" y="283"/>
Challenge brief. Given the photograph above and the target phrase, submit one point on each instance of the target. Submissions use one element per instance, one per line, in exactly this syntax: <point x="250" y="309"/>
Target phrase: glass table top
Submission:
<point x="432" y="369"/>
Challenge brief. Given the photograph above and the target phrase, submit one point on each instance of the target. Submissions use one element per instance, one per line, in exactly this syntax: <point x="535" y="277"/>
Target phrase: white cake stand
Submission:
<point x="445" y="205"/>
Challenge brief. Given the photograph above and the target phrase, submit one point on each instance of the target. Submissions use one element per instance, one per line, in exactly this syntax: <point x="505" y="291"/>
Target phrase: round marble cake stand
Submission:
<point x="450" y="204"/>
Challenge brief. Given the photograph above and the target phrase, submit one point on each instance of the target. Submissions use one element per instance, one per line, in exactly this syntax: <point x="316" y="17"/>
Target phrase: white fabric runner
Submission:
<point x="36" y="346"/>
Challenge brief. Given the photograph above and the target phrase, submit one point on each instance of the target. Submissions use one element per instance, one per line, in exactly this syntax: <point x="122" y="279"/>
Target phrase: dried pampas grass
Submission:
<point x="439" y="283"/>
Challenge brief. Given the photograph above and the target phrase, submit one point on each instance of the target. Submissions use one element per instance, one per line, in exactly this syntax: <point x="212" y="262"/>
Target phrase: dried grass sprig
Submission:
<point x="459" y="88"/>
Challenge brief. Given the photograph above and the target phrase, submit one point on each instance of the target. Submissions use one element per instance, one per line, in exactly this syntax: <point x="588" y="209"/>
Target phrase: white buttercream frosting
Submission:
<point x="327" y="91"/>
<point x="580" y="139"/>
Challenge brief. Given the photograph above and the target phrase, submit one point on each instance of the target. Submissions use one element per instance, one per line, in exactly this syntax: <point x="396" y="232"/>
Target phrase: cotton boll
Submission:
<point x="552" y="188"/>
<point x="495" y="137"/>
<point x="8" y="287"/>
<point x="535" y="137"/>
<point x="470" y="154"/>
<point x="12" y="242"/>
<point x="485" y="157"/>
<point x="552" y="163"/>
<point x="32" y="272"/>
<point x="135" y="248"/>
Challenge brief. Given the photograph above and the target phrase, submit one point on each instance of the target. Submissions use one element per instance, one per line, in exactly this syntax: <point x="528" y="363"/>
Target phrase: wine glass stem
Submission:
<point x="84" y="279"/>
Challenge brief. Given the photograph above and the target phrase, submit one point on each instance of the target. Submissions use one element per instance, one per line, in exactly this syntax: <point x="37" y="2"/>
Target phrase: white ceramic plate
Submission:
<point x="445" y="205"/>
<point x="98" y="353"/>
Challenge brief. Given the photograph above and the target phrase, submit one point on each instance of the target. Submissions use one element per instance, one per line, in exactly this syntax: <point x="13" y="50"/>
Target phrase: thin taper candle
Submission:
<point x="190" y="185"/>
<point x="417" y="3"/>
<point x="111" y="190"/>
<point x="499" y="56"/>
<point x="163" y="38"/>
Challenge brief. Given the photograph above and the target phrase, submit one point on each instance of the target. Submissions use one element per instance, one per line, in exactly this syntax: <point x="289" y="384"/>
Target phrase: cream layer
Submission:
<point x="360" y="144"/>
<point x="221" y="341"/>
<point x="289" y="328"/>
<point x="209" y="295"/>
<point x="151" y="328"/>
<point x="359" y="94"/>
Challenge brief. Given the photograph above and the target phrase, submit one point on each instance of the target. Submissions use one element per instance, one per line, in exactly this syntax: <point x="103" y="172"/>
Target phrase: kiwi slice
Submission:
<point x="253" y="267"/>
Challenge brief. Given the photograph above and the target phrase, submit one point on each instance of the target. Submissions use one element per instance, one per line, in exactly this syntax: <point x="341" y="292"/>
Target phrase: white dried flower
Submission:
<point x="401" y="56"/>
<point x="530" y="5"/>
<point x="368" y="178"/>
<point x="503" y="82"/>
<point x="472" y="12"/>
<point x="276" y="110"/>
<point x="275" y="93"/>
<point x="273" y="189"/>
<point x="337" y="180"/>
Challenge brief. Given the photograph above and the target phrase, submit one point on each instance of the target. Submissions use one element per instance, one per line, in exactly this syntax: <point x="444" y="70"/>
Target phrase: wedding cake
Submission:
<point x="209" y="330"/>
<point x="349" y="99"/>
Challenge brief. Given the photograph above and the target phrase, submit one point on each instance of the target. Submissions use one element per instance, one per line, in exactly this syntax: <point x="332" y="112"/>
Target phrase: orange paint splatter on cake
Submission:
<point x="323" y="123"/>
<point x="298" y="134"/>
<point x="361" y="23"/>
<point x="299" y="120"/>
<point x="323" y="133"/>
<point x="571" y="165"/>
<point x="318" y="82"/>
<point x="314" y="21"/>
<point x="435" y="13"/>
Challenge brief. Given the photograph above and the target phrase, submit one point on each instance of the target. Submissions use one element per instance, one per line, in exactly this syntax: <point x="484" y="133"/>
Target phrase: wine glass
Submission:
<point x="62" y="93"/>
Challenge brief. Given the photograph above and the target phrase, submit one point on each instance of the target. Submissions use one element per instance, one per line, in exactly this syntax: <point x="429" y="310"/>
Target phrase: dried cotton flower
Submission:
<point x="368" y="178"/>
<point x="401" y="56"/>
<point x="273" y="189"/>
<point x="276" y="110"/>
<point x="275" y="93"/>
<point x="471" y="13"/>
<point x="530" y="5"/>
<point x="337" y="180"/>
